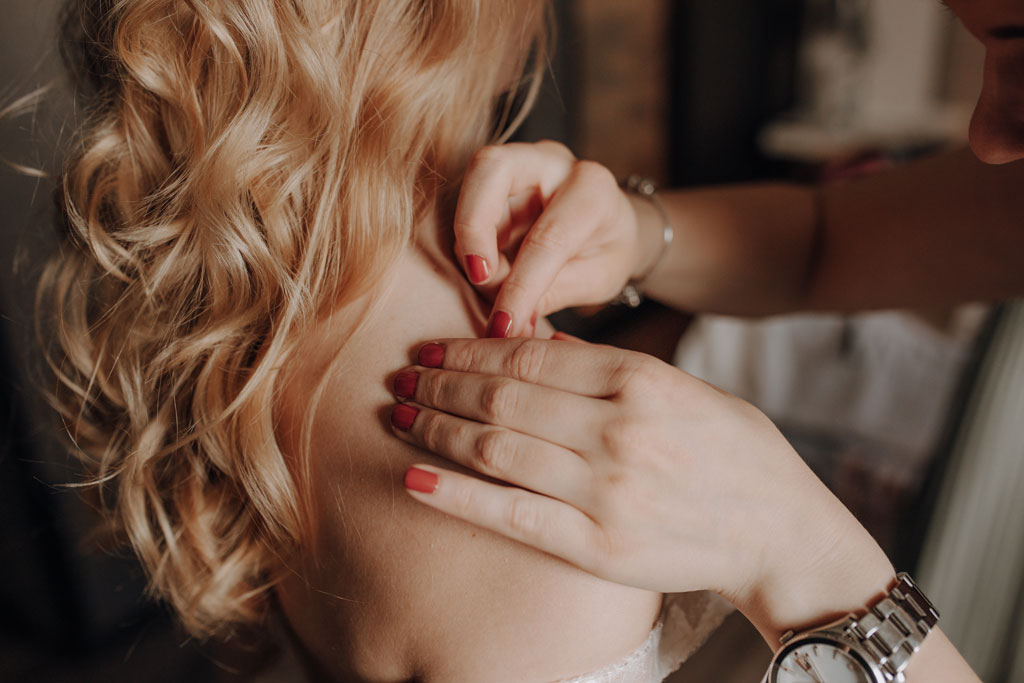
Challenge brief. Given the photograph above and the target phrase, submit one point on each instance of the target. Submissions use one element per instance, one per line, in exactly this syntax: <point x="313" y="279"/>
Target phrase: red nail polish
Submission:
<point x="476" y="268"/>
<point x="403" y="415"/>
<point x="420" y="480"/>
<point x="405" y="384"/>
<point x="501" y="323"/>
<point x="431" y="355"/>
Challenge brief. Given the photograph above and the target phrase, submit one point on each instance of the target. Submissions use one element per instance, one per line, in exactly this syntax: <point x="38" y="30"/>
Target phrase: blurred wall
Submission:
<point x="28" y="59"/>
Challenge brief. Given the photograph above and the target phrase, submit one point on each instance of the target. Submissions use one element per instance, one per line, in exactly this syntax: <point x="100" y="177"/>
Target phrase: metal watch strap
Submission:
<point x="893" y="629"/>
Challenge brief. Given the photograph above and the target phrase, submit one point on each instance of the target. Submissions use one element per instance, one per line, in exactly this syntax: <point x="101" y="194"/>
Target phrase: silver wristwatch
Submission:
<point x="873" y="648"/>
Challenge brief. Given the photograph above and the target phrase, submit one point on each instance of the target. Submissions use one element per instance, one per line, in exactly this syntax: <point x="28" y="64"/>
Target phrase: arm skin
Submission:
<point x="932" y="234"/>
<point x="939" y="232"/>
<point x="643" y="475"/>
<point x="935" y="233"/>
<point x="860" y="575"/>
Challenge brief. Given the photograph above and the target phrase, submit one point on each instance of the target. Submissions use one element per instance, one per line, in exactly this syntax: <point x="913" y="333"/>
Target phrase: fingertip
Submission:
<point x="477" y="269"/>
<point x="431" y="355"/>
<point x="404" y="384"/>
<point x="500" y="325"/>
<point x="403" y="415"/>
<point x="420" y="479"/>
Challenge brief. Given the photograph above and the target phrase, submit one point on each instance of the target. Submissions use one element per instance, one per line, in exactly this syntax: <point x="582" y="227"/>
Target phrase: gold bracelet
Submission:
<point x="631" y="295"/>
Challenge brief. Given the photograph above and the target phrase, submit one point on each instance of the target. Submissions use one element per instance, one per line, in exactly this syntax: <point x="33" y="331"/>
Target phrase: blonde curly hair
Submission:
<point x="247" y="166"/>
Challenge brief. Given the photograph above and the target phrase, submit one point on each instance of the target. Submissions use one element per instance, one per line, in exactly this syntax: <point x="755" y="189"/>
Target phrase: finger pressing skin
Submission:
<point x="499" y="453"/>
<point x="544" y="523"/>
<point x="574" y="214"/>
<point x="560" y="417"/>
<point x="586" y="369"/>
<point x="495" y="174"/>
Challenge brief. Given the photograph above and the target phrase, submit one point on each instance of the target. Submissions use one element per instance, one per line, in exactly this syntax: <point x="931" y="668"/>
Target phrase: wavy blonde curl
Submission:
<point x="247" y="166"/>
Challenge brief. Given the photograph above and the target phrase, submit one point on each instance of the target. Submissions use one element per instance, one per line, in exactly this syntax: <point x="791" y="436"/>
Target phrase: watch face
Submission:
<point x="818" y="660"/>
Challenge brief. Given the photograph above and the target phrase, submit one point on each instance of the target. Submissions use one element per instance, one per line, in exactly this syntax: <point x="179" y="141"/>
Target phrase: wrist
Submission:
<point x="802" y="587"/>
<point x="649" y="242"/>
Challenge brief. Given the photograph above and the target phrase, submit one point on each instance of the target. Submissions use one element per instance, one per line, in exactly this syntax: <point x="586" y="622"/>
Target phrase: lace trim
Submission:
<point x="630" y="664"/>
<point x="686" y="621"/>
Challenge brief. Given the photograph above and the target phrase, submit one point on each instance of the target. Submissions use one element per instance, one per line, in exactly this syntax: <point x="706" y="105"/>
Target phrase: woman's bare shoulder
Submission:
<point x="393" y="589"/>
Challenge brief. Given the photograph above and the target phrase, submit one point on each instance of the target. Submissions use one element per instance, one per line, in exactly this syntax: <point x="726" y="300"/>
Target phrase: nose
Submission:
<point x="997" y="127"/>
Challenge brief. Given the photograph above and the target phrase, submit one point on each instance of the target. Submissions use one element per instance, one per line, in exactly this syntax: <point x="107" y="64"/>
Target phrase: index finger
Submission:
<point x="585" y="369"/>
<point x="580" y="206"/>
<point x="495" y="174"/>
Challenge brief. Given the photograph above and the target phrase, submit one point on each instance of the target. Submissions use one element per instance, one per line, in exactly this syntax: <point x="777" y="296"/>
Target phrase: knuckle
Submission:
<point x="557" y="148"/>
<point x="621" y="435"/>
<point x="607" y="550"/>
<point x="459" y="356"/>
<point x="463" y="501"/>
<point x="487" y="158"/>
<point x="623" y="493"/>
<point x="432" y="389"/>
<point x="594" y="173"/>
<point x="499" y="398"/>
<point x="494" y="452"/>
<point x="523" y="516"/>
<point x="472" y="357"/>
<point x="638" y="373"/>
<point x="627" y="373"/>
<point x="526" y="362"/>
<point x="432" y="430"/>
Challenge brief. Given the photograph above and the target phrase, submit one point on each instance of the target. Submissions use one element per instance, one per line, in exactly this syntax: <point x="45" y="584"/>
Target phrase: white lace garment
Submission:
<point x="686" y="621"/>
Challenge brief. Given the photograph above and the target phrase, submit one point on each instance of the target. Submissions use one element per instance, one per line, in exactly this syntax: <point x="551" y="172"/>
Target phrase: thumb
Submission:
<point x="580" y="283"/>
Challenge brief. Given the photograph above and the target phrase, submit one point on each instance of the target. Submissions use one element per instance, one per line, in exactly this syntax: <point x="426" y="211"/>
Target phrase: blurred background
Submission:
<point x="911" y="417"/>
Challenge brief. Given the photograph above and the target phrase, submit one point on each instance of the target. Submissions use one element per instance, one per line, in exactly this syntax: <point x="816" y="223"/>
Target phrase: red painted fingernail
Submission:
<point x="431" y="355"/>
<point x="476" y="268"/>
<point x="501" y="323"/>
<point x="420" y="480"/>
<point x="403" y="415"/>
<point x="405" y="384"/>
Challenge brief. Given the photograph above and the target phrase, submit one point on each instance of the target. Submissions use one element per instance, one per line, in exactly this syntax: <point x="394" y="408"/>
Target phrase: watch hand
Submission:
<point x="809" y="668"/>
<point x="817" y="674"/>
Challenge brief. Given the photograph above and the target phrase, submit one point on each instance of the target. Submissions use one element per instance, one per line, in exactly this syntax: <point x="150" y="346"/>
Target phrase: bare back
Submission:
<point x="395" y="590"/>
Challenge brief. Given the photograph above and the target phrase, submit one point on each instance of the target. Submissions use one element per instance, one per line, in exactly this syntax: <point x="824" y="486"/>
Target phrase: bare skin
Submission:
<point x="940" y="232"/>
<point x="394" y="591"/>
<point x="937" y="233"/>
<point x="660" y="481"/>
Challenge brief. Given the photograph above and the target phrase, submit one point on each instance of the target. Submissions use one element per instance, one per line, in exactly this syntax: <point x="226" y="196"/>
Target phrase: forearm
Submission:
<point x="851" y="574"/>
<point x="937" y="233"/>
<point x="741" y="250"/>
<point x="931" y="234"/>
<point x="938" y="660"/>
